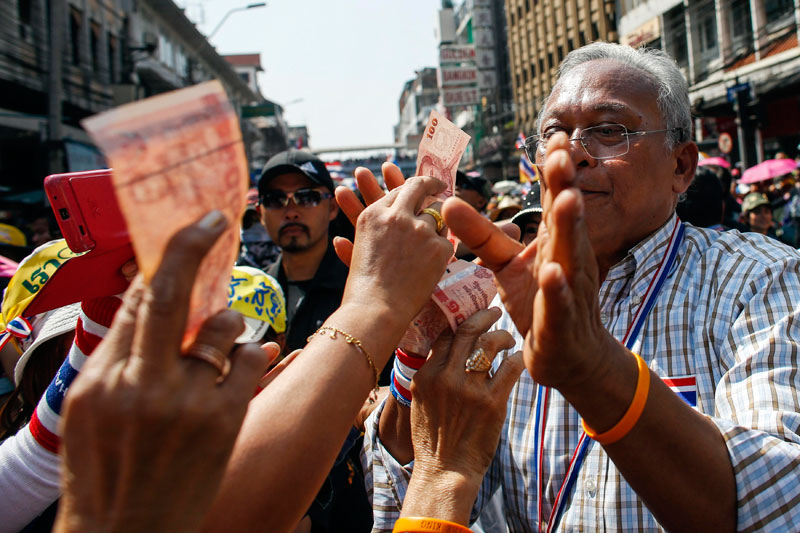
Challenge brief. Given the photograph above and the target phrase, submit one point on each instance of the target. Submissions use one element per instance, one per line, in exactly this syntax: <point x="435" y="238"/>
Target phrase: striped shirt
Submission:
<point x="724" y="332"/>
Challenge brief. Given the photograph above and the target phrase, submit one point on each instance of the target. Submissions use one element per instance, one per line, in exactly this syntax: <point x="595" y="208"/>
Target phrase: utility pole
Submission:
<point x="56" y="12"/>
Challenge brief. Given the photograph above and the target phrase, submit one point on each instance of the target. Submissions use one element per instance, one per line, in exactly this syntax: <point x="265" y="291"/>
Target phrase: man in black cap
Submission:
<point x="529" y="218"/>
<point x="296" y="205"/>
<point x="475" y="190"/>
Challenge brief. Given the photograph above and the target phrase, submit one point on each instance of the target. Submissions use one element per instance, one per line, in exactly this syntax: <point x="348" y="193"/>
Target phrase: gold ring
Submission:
<point x="212" y="356"/>
<point x="478" y="362"/>
<point x="437" y="216"/>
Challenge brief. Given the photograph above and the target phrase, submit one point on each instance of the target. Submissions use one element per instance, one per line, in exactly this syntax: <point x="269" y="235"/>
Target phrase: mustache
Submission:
<point x="293" y="225"/>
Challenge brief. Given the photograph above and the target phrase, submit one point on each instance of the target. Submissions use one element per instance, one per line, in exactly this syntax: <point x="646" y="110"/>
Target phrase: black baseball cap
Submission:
<point x="532" y="203"/>
<point x="295" y="161"/>
<point x="476" y="183"/>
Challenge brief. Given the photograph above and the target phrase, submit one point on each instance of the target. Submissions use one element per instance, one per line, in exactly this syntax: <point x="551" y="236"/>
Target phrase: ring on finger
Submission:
<point x="437" y="216"/>
<point x="478" y="361"/>
<point x="212" y="356"/>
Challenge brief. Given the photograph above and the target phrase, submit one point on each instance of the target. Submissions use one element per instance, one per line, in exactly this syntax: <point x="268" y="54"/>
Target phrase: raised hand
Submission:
<point x="456" y="418"/>
<point x="148" y="430"/>
<point x="567" y="340"/>
<point x="397" y="259"/>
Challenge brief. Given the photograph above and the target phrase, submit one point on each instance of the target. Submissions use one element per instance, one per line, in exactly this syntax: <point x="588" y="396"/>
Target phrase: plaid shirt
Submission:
<point x="727" y="315"/>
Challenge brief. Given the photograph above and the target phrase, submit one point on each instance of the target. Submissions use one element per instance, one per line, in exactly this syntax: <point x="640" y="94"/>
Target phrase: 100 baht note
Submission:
<point x="176" y="157"/>
<point x="440" y="151"/>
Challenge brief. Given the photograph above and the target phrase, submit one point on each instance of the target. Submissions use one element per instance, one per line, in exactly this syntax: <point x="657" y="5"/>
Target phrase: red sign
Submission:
<point x="459" y="97"/>
<point x="458" y="76"/>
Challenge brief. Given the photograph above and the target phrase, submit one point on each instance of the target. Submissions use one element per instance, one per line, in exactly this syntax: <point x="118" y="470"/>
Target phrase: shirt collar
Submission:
<point x="646" y="255"/>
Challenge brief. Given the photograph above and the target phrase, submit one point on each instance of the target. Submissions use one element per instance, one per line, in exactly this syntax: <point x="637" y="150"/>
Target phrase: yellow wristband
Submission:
<point x="631" y="416"/>
<point x="425" y="525"/>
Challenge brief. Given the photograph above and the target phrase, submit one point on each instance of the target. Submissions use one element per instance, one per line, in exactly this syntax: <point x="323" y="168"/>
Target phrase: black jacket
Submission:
<point x="322" y="298"/>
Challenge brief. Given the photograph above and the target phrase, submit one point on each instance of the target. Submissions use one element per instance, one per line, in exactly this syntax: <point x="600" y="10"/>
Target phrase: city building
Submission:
<point x="742" y="61"/>
<point x="265" y="116"/>
<point x="540" y="34"/>
<point x="110" y="53"/>
<point x="475" y="82"/>
<point x="419" y="96"/>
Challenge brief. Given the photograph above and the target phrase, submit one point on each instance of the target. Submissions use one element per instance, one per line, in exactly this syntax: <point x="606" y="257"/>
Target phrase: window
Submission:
<point x="113" y="72"/>
<point x="25" y="11"/>
<point x="94" y="45"/>
<point x="675" y="35"/>
<point x="777" y="9"/>
<point x="25" y="15"/>
<point x="707" y="28"/>
<point x="541" y="65"/>
<point x="549" y="60"/>
<point x="560" y="55"/>
<point x="581" y="38"/>
<point x="595" y="31"/>
<point x="245" y="76"/>
<point x="741" y="23"/>
<point x="75" y="35"/>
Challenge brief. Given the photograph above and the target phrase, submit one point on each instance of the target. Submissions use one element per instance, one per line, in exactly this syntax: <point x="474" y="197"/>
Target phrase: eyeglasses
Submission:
<point x="301" y="198"/>
<point x="600" y="142"/>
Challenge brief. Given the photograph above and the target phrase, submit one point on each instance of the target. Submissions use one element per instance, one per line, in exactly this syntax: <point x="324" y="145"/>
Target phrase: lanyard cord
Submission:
<point x="543" y="393"/>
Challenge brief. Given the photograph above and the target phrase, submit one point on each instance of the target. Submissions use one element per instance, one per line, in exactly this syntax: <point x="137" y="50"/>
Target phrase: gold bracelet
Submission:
<point x="350" y="340"/>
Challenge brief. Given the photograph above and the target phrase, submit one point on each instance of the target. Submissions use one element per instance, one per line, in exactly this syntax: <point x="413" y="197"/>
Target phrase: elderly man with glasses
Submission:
<point x="661" y="389"/>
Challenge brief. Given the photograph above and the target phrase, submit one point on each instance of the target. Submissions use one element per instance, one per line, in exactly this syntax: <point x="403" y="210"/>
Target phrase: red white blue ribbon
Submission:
<point x="20" y="328"/>
<point x="631" y="342"/>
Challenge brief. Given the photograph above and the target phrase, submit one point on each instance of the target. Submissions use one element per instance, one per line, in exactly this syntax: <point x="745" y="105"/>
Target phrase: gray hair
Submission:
<point x="657" y="66"/>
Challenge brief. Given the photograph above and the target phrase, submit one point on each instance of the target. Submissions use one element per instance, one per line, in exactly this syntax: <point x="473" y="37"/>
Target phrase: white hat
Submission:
<point x="45" y="327"/>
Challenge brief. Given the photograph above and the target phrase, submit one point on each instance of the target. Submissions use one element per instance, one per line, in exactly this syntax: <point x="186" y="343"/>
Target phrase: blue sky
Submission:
<point x="346" y="59"/>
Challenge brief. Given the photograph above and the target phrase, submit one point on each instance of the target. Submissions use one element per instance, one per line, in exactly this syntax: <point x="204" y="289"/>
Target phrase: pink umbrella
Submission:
<point x="715" y="161"/>
<point x="771" y="168"/>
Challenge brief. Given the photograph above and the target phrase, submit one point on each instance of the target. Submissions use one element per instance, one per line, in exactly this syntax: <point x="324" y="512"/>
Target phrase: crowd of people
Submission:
<point x="640" y="357"/>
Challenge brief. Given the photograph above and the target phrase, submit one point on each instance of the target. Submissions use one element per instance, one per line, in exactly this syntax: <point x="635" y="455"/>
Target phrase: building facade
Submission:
<point x="419" y="96"/>
<point x="742" y="61"/>
<point x="475" y="81"/>
<point x="109" y="53"/>
<point x="540" y="34"/>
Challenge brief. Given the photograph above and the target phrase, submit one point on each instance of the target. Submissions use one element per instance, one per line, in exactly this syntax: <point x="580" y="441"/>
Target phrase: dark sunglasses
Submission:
<point x="301" y="198"/>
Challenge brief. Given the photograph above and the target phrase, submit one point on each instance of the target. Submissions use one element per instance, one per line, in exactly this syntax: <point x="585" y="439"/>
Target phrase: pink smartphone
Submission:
<point x="88" y="214"/>
<point x="86" y="209"/>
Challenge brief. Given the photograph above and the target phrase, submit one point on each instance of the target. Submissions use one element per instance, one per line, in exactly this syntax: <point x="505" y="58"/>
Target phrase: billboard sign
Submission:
<point x="460" y="97"/>
<point x="452" y="76"/>
<point x="456" y="53"/>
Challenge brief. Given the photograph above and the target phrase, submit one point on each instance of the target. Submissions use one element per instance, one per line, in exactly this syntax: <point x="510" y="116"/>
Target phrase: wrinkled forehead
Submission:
<point x="604" y="88"/>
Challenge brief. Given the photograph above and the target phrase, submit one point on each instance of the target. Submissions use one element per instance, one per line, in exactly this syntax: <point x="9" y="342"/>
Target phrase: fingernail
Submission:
<point x="213" y="220"/>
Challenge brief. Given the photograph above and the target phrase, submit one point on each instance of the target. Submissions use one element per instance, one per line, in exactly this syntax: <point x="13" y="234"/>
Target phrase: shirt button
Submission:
<point x="591" y="488"/>
<point x="636" y="299"/>
<point x="604" y="318"/>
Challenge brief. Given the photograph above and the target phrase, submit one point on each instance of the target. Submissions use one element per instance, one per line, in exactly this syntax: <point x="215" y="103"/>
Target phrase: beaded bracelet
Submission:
<point x="349" y="339"/>
<point x="403" y="371"/>
<point x="631" y="416"/>
<point x="426" y="525"/>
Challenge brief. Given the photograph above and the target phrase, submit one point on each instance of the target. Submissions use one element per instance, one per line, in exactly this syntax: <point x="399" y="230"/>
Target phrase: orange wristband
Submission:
<point x="425" y="525"/>
<point x="631" y="416"/>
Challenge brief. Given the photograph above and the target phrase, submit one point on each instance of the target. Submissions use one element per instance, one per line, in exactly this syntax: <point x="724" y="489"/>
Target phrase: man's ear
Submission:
<point x="334" y="209"/>
<point x="685" y="166"/>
